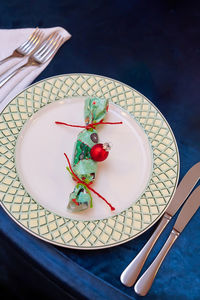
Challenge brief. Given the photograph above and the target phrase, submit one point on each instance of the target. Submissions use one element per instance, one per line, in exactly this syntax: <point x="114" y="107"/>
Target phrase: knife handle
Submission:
<point x="130" y="274"/>
<point x="144" y="284"/>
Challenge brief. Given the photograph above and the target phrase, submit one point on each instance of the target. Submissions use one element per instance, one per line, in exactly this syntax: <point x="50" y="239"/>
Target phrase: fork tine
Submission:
<point x="34" y="43"/>
<point x="48" y="48"/>
<point x="37" y="35"/>
<point x="45" y="45"/>
<point x="53" y="51"/>
<point x="30" y="39"/>
<point x="35" y="32"/>
<point x="31" y="43"/>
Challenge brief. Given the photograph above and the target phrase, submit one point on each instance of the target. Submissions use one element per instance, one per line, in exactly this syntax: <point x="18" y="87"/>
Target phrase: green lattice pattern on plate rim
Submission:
<point x="87" y="234"/>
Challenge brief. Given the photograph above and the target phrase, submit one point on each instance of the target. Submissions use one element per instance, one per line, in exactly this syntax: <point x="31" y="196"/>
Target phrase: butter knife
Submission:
<point x="189" y="209"/>
<point x="130" y="274"/>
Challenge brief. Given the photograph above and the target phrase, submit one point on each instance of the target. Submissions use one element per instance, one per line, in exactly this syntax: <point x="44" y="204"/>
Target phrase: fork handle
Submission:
<point x="130" y="274"/>
<point x="15" y="54"/>
<point x="5" y="59"/>
<point x="144" y="284"/>
<point x="4" y="80"/>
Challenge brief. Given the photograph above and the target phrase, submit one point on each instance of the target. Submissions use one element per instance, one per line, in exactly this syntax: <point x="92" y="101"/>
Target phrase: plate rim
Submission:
<point x="140" y="232"/>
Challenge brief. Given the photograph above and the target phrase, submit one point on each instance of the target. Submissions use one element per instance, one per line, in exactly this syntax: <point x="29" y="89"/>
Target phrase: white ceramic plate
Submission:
<point x="139" y="177"/>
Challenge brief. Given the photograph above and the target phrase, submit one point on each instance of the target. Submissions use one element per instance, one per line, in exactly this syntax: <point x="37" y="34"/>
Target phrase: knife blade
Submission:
<point x="188" y="210"/>
<point x="184" y="189"/>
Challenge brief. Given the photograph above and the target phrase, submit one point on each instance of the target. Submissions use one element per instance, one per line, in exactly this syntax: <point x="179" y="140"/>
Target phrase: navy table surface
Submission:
<point x="153" y="46"/>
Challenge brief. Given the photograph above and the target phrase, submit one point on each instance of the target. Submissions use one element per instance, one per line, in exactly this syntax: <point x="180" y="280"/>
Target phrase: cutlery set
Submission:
<point x="38" y="51"/>
<point x="130" y="274"/>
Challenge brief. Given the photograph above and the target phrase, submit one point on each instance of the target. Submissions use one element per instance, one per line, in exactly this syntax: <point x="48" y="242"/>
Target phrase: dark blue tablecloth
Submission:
<point x="154" y="46"/>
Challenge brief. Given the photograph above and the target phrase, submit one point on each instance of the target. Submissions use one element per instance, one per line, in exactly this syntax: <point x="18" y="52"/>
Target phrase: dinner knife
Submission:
<point x="130" y="274"/>
<point x="189" y="209"/>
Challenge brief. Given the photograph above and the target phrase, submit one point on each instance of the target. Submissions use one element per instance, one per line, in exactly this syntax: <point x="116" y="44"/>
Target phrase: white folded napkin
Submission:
<point x="10" y="40"/>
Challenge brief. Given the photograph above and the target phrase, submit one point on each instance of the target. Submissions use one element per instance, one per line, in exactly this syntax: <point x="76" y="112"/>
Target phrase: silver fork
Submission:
<point x="47" y="50"/>
<point x="27" y="47"/>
